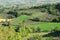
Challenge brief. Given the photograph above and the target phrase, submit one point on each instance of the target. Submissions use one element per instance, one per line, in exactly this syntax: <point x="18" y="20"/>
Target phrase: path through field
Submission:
<point x="3" y="20"/>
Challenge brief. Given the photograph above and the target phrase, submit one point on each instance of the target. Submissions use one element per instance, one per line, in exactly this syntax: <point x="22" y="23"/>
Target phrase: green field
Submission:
<point x="46" y="26"/>
<point x="34" y="23"/>
<point x="20" y="19"/>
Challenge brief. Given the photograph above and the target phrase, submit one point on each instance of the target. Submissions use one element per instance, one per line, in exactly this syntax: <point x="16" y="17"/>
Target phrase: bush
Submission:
<point x="25" y="13"/>
<point x="24" y="30"/>
<point x="56" y="19"/>
<point x="14" y="13"/>
<point x="5" y="23"/>
<point x="10" y="16"/>
<point x="35" y="19"/>
<point x="17" y="28"/>
<point x="57" y="6"/>
<point x="55" y="29"/>
<point x="50" y="38"/>
<point x="36" y="30"/>
<point x="36" y="37"/>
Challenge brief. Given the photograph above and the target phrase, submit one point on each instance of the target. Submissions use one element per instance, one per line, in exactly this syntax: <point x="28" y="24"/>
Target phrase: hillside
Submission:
<point x="44" y="13"/>
<point x="31" y="23"/>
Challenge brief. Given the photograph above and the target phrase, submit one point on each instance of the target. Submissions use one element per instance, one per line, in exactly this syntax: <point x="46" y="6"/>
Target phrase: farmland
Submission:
<point x="34" y="23"/>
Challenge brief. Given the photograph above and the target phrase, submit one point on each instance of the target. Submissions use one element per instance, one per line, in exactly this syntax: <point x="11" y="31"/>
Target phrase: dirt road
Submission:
<point x="3" y="20"/>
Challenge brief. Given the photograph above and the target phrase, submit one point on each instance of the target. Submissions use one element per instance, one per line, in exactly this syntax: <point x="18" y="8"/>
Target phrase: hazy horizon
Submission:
<point x="23" y="3"/>
<point x="26" y="1"/>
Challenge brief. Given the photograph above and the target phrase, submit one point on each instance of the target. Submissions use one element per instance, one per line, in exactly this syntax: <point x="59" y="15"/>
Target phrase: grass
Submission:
<point x="43" y="16"/>
<point x="3" y="16"/>
<point x="20" y="19"/>
<point x="43" y="26"/>
<point x="46" y="26"/>
<point x="36" y="13"/>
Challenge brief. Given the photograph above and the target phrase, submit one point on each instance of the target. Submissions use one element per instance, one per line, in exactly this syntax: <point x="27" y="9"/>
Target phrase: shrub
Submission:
<point x="26" y="13"/>
<point x="5" y="23"/>
<point x="56" y="19"/>
<point x="24" y="30"/>
<point x="50" y="38"/>
<point x="10" y="16"/>
<point x="36" y="30"/>
<point x="57" y="6"/>
<point x="55" y="29"/>
<point x="35" y="19"/>
<point x="14" y="13"/>
<point x="36" y="37"/>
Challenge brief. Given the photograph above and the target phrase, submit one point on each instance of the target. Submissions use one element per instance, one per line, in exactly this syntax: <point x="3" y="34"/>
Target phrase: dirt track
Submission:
<point x="3" y="20"/>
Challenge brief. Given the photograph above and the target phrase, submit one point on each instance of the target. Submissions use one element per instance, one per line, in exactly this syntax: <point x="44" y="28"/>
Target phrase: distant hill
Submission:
<point x="24" y="3"/>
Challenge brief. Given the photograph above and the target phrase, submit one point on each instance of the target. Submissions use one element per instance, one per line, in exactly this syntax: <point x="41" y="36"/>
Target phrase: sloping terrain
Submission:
<point x="34" y="23"/>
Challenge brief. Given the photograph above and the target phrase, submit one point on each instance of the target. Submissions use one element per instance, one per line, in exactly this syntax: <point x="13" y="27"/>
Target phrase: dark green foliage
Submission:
<point x="14" y="13"/>
<point x="10" y="16"/>
<point x="36" y="37"/>
<point x="55" y="29"/>
<point x="50" y="38"/>
<point x="17" y="27"/>
<point x="56" y="19"/>
<point x="49" y="11"/>
<point x="52" y="9"/>
<point x="57" y="6"/>
<point x="36" y="30"/>
<point x="25" y="13"/>
<point x="5" y="23"/>
<point x="22" y="31"/>
<point x="35" y="19"/>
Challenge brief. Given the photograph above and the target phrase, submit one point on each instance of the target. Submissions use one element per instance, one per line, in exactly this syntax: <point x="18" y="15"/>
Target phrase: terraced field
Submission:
<point x="20" y="19"/>
<point x="46" y="26"/>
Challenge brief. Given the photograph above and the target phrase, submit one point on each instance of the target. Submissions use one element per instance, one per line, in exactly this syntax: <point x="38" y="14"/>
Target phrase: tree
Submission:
<point x="57" y="6"/>
<point x="6" y="23"/>
<point x="56" y="19"/>
<point x="50" y="38"/>
<point x="24" y="30"/>
<point x="35" y="19"/>
<point x="10" y="16"/>
<point x="14" y="13"/>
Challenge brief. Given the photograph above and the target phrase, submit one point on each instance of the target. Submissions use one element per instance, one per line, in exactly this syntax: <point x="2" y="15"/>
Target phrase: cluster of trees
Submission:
<point x="12" y="13"/>
<point x="20" y="32"/>
<point x="25" y="13"/>
<point x="8" y="32"/>
<point x="51" y="9"/>
<point x="56" y="19"/>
